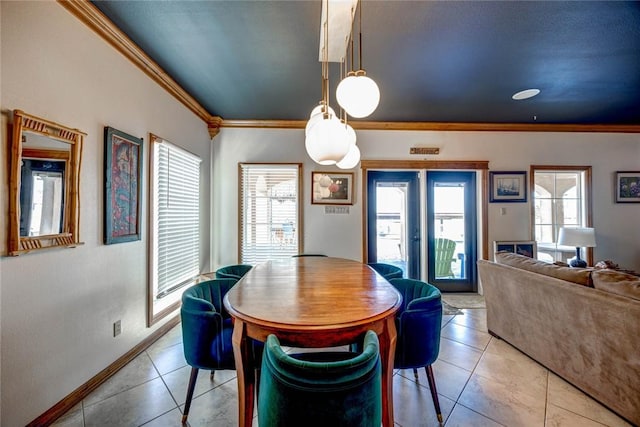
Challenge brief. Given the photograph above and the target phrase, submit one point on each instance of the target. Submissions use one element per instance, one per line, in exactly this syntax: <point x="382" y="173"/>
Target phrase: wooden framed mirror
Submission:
<point x="44" y="197"/>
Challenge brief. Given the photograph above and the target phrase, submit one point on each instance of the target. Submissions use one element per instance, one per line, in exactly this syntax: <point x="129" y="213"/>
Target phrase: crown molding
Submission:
<point x="443" y="126"/>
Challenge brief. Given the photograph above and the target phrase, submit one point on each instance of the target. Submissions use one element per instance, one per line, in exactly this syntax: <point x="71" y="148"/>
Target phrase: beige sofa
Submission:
<point x="582" y="324"/>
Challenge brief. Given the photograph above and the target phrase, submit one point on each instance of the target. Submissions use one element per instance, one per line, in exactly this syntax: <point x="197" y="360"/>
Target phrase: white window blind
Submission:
<point x="176" y="217"/>
<point x="269" y="210"/>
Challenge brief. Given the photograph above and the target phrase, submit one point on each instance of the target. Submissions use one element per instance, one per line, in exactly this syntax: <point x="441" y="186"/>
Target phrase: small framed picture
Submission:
<point x="331" y="188"/>
<point x="527" y="248"/>
<point x="123" y="182"/>
<point x="508" y="187"/>
<point x="627" y="187"/>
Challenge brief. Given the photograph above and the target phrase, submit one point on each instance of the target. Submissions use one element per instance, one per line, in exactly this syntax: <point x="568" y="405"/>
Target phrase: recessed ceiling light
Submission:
<point x="525" y="94"/>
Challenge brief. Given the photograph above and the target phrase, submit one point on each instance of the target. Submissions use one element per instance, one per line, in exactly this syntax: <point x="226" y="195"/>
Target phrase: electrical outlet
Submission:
<point x="117" y="328"/>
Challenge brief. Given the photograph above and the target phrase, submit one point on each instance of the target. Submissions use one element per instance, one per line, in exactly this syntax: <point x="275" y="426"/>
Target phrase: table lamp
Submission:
<point x="579" y="237"/>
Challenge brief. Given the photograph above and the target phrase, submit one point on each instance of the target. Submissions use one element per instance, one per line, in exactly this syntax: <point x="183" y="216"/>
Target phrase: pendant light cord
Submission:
<point x="360" y="38"/>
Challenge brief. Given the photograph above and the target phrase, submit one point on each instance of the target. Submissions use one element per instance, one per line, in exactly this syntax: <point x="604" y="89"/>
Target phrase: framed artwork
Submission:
<point x="332" y="188"/>
<point x="508" y="187"/>
<point x="522" y="247"/>
<point x="123" y="180"/>
<point x="627" y="187"/>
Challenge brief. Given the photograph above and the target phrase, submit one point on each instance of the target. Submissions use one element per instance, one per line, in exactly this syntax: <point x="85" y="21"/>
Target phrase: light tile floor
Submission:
<point x="481" y="381"/>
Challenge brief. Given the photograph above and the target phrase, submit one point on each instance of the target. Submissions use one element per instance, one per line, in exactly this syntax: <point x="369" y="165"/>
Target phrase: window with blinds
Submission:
<point x="269" y="211"/>
<point x="175" y="222"/>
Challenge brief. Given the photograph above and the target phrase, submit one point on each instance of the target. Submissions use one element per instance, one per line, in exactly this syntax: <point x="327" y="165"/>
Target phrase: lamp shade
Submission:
<point x="316" y="115"/>
<point x="351" y="159"/>
<point x="577" y="237"/>
<point x="327" y="141"/>
<point x="358" y="94"/>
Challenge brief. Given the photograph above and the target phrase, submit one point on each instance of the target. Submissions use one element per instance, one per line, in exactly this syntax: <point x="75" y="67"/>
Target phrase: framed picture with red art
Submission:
<point x="123" y="181"/>
<point x="331" y="188"/>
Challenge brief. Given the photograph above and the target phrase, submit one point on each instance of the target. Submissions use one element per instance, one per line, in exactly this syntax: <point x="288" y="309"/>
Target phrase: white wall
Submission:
<point x="58" y="306"/>
<point x="341" y="235"/>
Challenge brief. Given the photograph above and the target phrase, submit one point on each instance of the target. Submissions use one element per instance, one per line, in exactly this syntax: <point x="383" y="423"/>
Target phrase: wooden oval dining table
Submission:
<point x="311" y="302"/>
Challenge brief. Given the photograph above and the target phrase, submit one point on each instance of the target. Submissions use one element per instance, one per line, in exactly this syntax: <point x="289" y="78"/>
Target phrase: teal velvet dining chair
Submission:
<point x="337" y="388"/>
<point x="235" y="271"/>
<point x="418" y="324"/>
<point x="388" y="271"/>
<point x="206" y="332"/>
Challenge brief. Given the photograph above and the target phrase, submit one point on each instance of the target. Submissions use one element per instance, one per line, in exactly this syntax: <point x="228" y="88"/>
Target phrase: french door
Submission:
<point x="434" y="227"/>
<point x="393" y="218"/>
<point x="452" y="230"/>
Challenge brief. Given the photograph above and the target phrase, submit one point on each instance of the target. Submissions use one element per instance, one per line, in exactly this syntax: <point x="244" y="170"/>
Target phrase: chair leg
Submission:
<point x="434" y="392"/>
<point x="415" y="373"/>
<point x="190" y="388"/>
<point x="213" y="371"/>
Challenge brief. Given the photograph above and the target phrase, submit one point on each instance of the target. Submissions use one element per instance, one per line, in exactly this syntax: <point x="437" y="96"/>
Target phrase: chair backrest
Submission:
<point x="206" y="325"/>
<point x="388" y="271"/>
<point x="233" y="271"/>
<point x="444" y="255"/>
<point x="418" y="323"/>
<point x="320" y="388"/>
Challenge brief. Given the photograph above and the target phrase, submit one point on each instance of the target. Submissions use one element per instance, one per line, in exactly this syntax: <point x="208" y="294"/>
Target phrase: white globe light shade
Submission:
<point x="327" y="142"/>
<point x="351" y="159"/>
<point x="317" y="115"/>
<point x="351" y="135"/>
<point x="358" y="95"/>
<point x="318" y="109"/>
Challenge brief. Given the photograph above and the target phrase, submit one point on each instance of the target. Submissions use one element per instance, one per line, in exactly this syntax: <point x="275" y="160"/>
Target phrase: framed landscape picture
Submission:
<point x="332" y="188"/>
<point x="508" y="187"/>
<point x="123" y="181"/>
<point x="627" y="187"/>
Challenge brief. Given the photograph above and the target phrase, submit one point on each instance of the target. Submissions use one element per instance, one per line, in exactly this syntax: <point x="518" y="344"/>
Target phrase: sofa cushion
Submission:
<point x="581" y="276"/>
<point x="617" y="282"/>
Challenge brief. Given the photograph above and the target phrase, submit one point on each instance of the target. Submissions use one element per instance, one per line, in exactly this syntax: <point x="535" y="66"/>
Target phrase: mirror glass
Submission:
<point x="42" y="185"/>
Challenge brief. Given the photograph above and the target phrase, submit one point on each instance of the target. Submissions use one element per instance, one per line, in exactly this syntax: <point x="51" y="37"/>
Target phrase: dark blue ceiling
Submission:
<point x="434" y="61"/>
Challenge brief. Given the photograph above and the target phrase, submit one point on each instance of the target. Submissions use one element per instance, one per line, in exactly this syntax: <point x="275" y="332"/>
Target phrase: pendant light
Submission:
<point x="358" y="94"/>
<point x="326" y="138"/>
<point x="353" y="155"/>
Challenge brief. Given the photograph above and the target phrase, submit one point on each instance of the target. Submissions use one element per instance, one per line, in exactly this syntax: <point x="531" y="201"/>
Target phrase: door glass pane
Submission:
<point x="391" y="220"/>
<point x="449" y="226"/>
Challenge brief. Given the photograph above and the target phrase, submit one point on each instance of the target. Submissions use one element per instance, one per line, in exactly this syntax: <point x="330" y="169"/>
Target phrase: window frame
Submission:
<point x="586" y="203"/>
<point x="158" y="308"/>
<point x="299" y="200"/>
